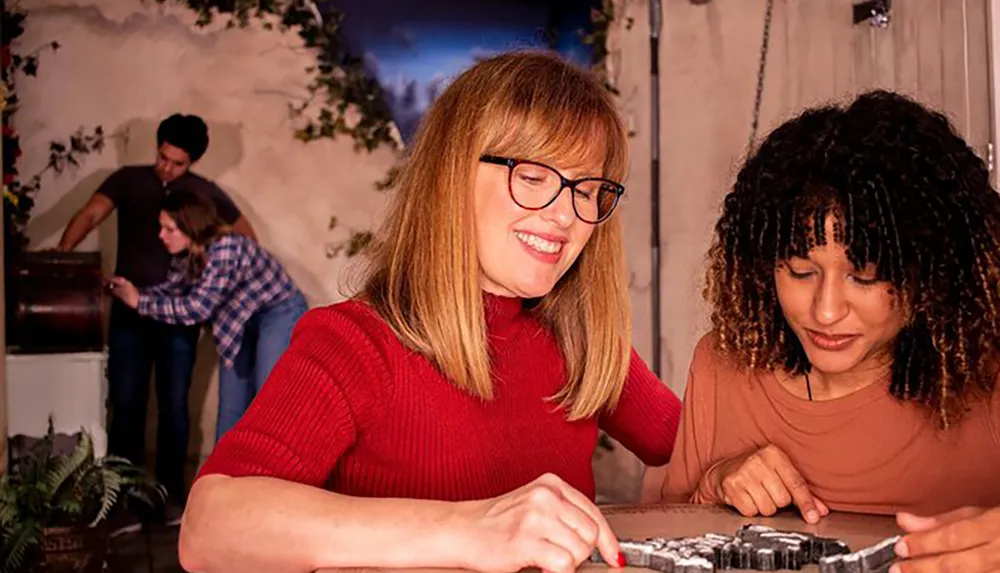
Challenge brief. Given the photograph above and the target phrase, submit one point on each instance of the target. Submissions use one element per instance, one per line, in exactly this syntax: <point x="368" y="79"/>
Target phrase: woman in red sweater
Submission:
<point x="854" y="361"/>
<point x="447" y="416"/>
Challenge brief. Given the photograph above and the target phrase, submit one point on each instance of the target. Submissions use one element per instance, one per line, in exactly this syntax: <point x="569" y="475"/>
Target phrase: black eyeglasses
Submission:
<point x="535" y="186"/>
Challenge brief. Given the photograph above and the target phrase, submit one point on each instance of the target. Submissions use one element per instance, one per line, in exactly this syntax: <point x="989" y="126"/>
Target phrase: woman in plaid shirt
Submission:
<point x="226" y="278"/>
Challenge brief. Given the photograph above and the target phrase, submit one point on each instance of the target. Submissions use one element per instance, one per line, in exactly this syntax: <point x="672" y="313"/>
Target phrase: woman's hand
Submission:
<point x="545" y="524"/>
<point x="125" y="290"/>
<point x="759" y="483"/>
<point x="966" y="539"/>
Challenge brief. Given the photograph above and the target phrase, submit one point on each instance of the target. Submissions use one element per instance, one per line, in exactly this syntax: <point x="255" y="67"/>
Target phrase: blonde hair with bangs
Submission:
<point x="424" y="275"/>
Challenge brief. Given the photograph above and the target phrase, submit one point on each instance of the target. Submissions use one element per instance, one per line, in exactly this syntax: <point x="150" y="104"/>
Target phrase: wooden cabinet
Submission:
<point x="71" y="387"/>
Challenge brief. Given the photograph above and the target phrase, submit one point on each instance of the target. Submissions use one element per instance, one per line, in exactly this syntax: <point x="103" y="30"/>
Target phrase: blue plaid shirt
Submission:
<point x="239" y="279"/>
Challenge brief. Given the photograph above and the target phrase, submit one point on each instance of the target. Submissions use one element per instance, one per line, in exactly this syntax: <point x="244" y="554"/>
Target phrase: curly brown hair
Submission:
<point x="909" y="196"/>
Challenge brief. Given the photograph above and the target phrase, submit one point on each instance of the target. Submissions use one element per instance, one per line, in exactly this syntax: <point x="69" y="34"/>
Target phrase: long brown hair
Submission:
<point x="424" y="275"/>
<point x="195" y="216"/>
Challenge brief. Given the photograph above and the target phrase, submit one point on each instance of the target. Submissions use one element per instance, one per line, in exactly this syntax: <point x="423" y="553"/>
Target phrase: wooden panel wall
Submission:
<point x="934" y="50"/>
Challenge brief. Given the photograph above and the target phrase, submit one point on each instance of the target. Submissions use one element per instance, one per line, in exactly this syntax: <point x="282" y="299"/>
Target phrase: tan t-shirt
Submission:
<point x="866" y="452"/>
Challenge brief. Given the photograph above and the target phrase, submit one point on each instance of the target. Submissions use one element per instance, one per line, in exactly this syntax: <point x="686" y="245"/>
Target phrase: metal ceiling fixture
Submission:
<point x="875" y="10"/>
<point x="655" y="23"/>
<point x="761" y="67"/>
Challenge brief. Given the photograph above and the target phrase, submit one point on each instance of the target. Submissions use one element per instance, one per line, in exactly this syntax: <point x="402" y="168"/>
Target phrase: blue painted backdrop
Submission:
<point x="414" y="47"/>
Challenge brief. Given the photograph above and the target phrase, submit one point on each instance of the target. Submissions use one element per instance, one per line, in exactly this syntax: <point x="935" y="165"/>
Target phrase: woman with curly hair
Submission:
<point x="856" y="327"/>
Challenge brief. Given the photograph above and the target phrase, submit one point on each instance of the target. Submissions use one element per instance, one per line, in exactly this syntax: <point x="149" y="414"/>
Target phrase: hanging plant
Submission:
<point x="601" y="20"/>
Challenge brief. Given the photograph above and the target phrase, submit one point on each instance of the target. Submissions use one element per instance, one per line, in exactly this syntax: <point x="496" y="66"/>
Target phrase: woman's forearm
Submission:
<point x="265" y="524"/>
<point x="180" y="309"/>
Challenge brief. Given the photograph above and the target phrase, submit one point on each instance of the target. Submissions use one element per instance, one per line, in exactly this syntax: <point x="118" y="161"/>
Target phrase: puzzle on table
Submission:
<point x="755" y="547"/>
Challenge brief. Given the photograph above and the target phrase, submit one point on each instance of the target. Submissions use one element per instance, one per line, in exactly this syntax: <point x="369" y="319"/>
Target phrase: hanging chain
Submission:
<point x="758" y="98"/>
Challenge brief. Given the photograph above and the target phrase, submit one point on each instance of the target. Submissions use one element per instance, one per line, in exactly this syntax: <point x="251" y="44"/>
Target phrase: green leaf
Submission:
<point x="112" y="459"/>
<point x="112" y="485"/>
<point x="82" y="454"/>
<point x="30" y="66"/>
<point x="358" y="243"/>
<point x="8" y="512"/>
<point x="17" y="546"/>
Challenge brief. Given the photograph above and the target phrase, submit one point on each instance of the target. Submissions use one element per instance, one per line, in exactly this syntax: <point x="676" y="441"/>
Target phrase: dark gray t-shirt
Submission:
<point x="138" y="194"/>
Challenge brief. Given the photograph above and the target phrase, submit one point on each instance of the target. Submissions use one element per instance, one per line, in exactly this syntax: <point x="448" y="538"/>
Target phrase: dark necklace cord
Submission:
<point x="809" y="389"/>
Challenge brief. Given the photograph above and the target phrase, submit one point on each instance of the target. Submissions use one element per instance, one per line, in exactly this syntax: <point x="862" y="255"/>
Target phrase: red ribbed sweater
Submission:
<point x="349" y="408"/>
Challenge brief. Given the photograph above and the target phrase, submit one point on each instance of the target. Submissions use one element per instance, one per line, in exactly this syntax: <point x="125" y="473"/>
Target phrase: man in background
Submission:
<point x="137" y="344"/>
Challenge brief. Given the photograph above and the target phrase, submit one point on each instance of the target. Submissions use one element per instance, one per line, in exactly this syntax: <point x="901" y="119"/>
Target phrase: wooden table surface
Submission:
<point x="642" y="521"/>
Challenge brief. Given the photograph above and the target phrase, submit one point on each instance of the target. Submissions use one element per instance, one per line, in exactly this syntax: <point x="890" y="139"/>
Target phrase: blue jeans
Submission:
<point x="265" y="338"/>
<point x="135" y="345"/>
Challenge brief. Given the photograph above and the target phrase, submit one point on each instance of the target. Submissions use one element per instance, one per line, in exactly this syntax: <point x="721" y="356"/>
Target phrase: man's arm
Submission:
<point x="83" y="222"/>
<point x="227" y="210"/>
<point x="242" y="226"/>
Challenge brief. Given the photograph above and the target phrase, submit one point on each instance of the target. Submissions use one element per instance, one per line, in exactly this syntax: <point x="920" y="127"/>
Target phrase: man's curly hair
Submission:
<point x="908" y="195"/>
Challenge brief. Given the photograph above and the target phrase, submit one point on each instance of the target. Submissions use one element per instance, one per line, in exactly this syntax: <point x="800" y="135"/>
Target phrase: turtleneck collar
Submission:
<point x="500" y="309"/>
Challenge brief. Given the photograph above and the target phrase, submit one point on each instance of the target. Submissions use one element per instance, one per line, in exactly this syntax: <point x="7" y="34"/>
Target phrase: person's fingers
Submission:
<point x="824" y="509"/>
<point x="981" y="559"/>
<point x="761" y="498"/>
<point x="550" y="557"/>
<point x="796" y="486"/>
<point x="606" y="541"/>
<point x="572" y="529"/>
<point x="912" y="522"/>
<point x="956" y="531"/>
<point x="777" y="490"/>
<point x="739" y="498"/>
<point x="768" y="479"/>
<point x="744" y="491"/>
<point x="559" y="532"/>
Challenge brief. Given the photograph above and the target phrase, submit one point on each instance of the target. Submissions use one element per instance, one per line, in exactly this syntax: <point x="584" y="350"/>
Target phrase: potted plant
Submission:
<point x="54" y="508"/>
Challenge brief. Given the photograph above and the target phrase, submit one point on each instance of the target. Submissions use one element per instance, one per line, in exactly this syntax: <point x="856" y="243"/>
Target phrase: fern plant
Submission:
<point x="44" y="489"/>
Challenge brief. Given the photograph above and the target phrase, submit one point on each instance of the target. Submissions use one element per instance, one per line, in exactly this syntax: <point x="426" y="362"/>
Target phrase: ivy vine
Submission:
<point x="19" y="191"/>
<point x="601" y="19"/>
<point x="340" y="83"/>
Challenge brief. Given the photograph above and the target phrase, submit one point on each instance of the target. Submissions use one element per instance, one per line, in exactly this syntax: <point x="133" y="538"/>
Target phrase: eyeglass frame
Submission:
<point x="564" y="183"/>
